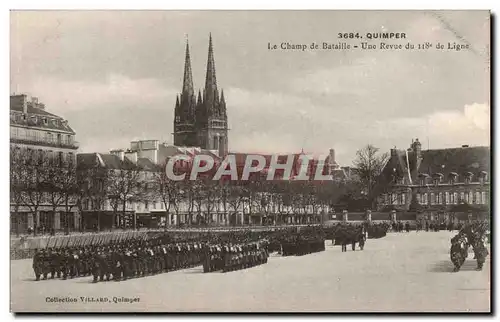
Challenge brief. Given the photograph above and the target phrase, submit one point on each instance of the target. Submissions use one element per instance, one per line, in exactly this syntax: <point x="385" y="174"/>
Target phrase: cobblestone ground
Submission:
<point x="402" y="272"/>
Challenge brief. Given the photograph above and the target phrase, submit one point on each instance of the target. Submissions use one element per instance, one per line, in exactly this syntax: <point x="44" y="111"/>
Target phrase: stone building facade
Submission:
<point x="39" y="139"/>
<point x="437" y="184"/>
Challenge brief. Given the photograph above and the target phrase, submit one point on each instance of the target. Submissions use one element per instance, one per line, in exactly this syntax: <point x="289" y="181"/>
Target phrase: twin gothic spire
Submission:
<point x="201" y="119"/>
<point x="210" y="92"/>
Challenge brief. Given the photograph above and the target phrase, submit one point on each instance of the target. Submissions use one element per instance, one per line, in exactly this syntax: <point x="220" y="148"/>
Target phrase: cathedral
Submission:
<point x="201" y="121"/>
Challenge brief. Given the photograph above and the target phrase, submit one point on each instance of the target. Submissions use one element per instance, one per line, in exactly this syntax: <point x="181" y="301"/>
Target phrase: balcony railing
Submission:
<point x="45" y="142"/>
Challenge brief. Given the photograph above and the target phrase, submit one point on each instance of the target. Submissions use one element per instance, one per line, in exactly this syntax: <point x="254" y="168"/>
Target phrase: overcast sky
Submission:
<point x="114" y="75"/>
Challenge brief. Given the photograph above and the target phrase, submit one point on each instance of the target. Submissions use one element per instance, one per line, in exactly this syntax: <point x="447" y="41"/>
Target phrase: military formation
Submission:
<point x="229" y="257"/>
<point x="303" y="242"/>
<point x="473" y="234"/>
<point x="215" y="251"/>
<point x="135" y="258"/>
<point x="117" y="261"/>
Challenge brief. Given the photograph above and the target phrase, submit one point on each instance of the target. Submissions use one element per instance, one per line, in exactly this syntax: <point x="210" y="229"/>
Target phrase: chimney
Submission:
<point x="34" y="100"/>
<point x="132" y="156"/>
<point x="118" y="153"/>
<point x="19" y="102"/>
<point x="332" y="156"/>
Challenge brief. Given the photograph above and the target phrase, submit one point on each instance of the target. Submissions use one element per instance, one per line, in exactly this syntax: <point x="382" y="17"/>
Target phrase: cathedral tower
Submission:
<point x="201" y="121"/>
<point x="185" y="107"/>
<point x="211" y="116"/>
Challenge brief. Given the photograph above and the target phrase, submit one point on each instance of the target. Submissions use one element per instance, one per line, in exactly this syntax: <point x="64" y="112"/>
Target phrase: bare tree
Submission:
<point x="17" y="181"/>
<point x="123" y="188"/>
<point x="169" y="191"/>
<point x="368" y="165"/>
<point x="33" y="193"/>
<point x="92" y="185"/>
<point x="70" y="191"/>
<point x="53" y="185"/>
<point x="211" y="195"/>
<point x="235" y="198"/>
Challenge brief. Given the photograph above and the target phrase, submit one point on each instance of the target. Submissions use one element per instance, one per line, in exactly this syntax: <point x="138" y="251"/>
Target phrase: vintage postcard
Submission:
<point x="250" y="161"/>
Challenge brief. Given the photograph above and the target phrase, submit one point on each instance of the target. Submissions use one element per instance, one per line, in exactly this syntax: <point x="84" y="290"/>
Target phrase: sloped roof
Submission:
<point x="146" y="164"/>
<point x="35" y="115"/>
<point x="439" y="161"/>
<point x="459" y="160"/>
<point x="52" y="122"/>
<point x="86" y="160"/>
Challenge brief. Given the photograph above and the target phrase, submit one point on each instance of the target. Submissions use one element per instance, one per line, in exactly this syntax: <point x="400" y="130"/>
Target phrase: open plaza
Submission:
<point x="402" y="272"/>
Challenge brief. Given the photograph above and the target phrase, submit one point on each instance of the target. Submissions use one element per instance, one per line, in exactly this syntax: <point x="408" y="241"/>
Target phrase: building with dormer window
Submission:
<point x="439" y="184"/>
<point x="40" y="139"/>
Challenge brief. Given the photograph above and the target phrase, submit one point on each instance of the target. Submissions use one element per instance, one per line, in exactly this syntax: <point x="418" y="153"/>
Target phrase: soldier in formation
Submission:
<point x="474" y="235"/>
<point x="458" y="251"/>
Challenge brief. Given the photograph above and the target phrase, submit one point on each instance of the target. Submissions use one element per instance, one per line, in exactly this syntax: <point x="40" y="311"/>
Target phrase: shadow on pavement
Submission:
<point x="447" y="266"/>
<point x="194" y="271"/>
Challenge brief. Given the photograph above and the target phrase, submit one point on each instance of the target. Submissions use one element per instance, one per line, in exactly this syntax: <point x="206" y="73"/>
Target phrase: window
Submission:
<point x="452" y="198"/>
<point x="216" y="143"/>
<point x="462" y="196"/>
<point x="433" y="198"/>
<point x="439" y="198"/>
<point x="24" y="117"/>
<point x="455" y="198"/>
<point x="403" y="199"/>
<point x="154" y="204"/>
<point x="425" y="198"/>
<point x="483" y="197"/>
<point x="419" y="200"/>
<point x="394" y="199"/>
<point x="478" y="198"/>
<point x="177" y="119"/>
<point x="146" y="205"/>
<point x="45" y="120"/>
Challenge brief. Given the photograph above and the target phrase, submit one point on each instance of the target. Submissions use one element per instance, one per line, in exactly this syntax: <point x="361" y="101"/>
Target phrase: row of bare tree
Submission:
<point x="40" y="181"/>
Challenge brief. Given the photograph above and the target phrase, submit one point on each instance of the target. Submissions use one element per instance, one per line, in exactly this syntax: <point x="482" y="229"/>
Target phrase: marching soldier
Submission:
<point x="38" y="261"/>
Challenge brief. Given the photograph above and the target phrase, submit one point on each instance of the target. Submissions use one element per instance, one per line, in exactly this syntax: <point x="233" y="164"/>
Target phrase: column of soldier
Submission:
<point x="299" y="243"/>
<point x="222" y="251"/>
<point x="136" y="257"/>
<point x="473" y="234"/>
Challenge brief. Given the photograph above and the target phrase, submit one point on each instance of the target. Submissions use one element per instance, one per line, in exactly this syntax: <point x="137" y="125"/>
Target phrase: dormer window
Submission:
<point x="437" y="178"/>
<point x="453" y="177"/>
<point x="423" y="178"/>
<point x="468" y="177"/>
<point x="483" y="176"/>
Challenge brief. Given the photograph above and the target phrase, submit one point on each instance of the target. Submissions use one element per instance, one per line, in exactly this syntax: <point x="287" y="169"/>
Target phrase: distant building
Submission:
<point x="41" y="139"/>
<point x="440" y="184"/>
<point x="115" y="189"/>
